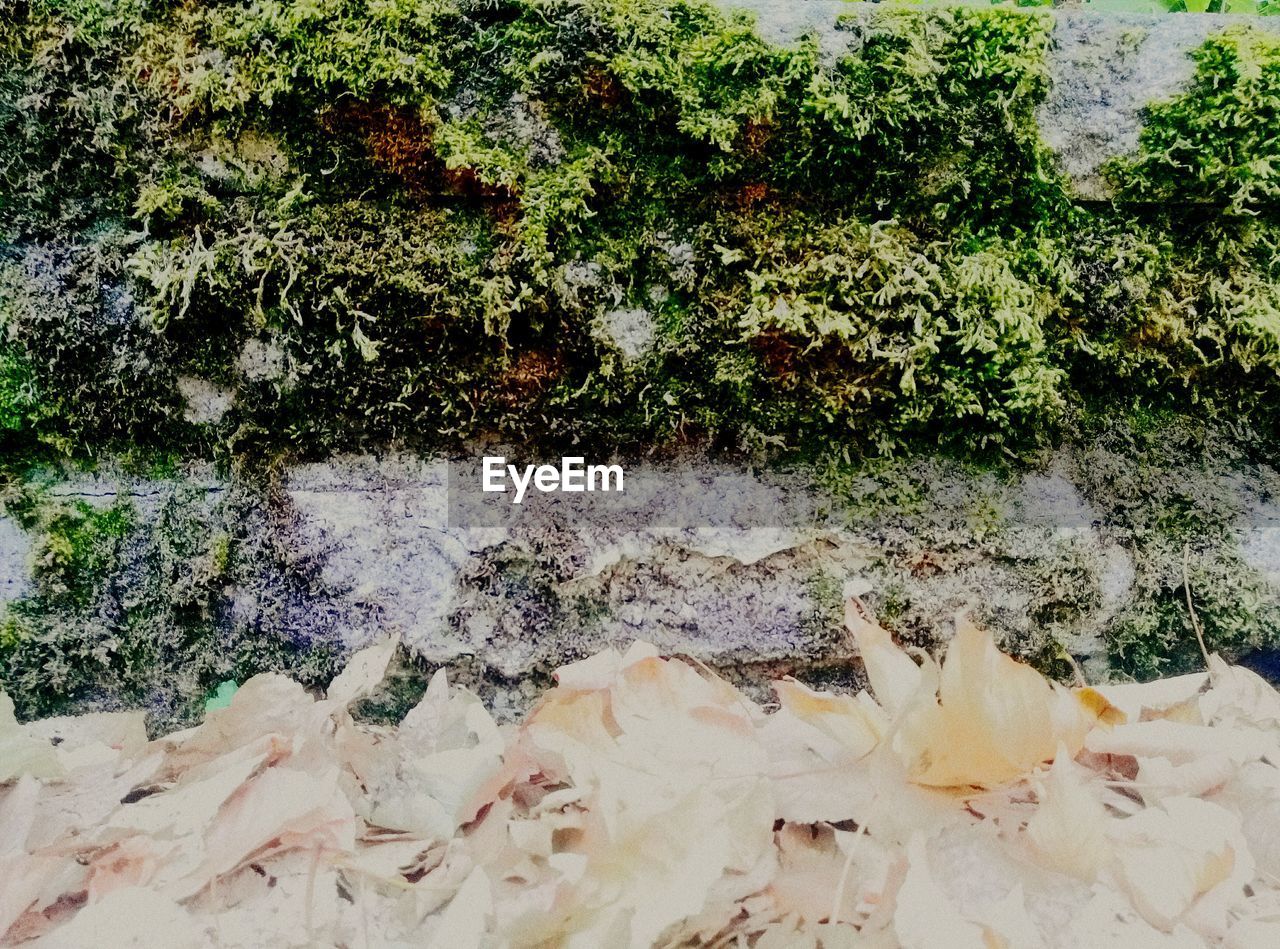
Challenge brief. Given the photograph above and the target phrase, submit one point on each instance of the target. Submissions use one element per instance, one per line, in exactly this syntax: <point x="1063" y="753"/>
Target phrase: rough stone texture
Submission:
<point x="205" y="402"/>
<point x="522" y="123"/>
<point x="15" y="550"/>
<point x="1104" y="69"/>
<point x="786" y="21"/>
<point x="630" y="330"/>
<point x="378" y="531"/>
<point x="369" y="549"/>
<point x="1260" y="535"/>
<point x="101" y="489"/>
<point x="1107" y="68"/>
<point x="262" y="361"/>
<point x="672" y="566"/>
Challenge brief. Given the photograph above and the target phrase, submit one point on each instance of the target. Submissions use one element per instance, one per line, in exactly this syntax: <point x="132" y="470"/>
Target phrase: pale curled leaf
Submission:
<point x="22" y="753"/>
<point x="363" y="673"/>
<point x="1168" y="857"/>
<point x="645" y="802"/>
<point x="1069" y="829"/>
<point x="896" y="681"/>
<point x="994" y="718"/>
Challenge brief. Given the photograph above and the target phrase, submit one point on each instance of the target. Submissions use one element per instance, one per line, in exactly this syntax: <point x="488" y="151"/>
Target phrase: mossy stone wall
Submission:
<point x="238" y="239"/>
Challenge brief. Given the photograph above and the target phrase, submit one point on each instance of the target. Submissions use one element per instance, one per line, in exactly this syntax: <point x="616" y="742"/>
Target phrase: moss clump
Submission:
<point x="1181" y="295"/>
<point x="1210" y="150"/>
<point x="1170" y="487"/>
<point x="428" y="211"/>
<point x="1237" y="610"/>
<point x="104" y="379"/>
<point x="17" y="397"/>
<point x="867" y="321"/>
<point x="49" y="650"/>
<point x="1068" y="587"/>
<point x="127" y="610"/>
<point x="403" y="214"/>
<point x="79" y="548"/>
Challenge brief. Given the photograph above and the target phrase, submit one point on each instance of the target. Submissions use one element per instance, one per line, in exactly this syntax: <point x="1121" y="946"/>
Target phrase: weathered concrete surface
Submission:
<point x="672" y="567"/>
<point x="1104" y="69"/>
<point x="15" y="553"/>
<point x="787" y="21"/>
<point x="358" y="547"/>
<point x="1260" y="534"/>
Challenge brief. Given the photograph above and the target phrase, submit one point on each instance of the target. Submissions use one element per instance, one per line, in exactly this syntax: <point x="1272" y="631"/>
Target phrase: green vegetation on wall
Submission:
<point x="243" y="231"/>
<point x="130" y="608"/>
<point x="425" y="222"/>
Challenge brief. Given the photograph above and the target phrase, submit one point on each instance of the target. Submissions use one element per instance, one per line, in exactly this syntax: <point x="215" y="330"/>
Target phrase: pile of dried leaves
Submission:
<point x="644" y="803"/>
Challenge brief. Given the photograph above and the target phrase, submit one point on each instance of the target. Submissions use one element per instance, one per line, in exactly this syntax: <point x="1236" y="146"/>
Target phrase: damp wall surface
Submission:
<point x="1055" y="558"/>
<point x="1104" y="69"/>
<point x="1083" y="554"/>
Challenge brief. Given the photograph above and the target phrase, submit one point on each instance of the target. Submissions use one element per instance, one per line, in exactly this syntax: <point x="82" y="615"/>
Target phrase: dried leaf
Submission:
<point x="646" y="803"/>
<point x="994" y="719"/>
<point x="1069" y="829"/>
<point x="20" y="752"/>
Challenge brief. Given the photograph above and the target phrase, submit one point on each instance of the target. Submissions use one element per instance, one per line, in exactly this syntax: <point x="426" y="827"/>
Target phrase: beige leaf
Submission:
<point x="601" y="670"/>
<point x="637" y="807"/>
<point x="17" y="814"/>
<point x="1108" y="921"/>
<point x="896" y="681"/>
<point x="96" y="739"/>
<point x="1253" y="792"/>
<point x="23" y="880"/>
<point x="1068" y="829"/>
<point x="813" y="869"/>
<point x="462" y="925"/>
<point x="1177" y="742"/>
<point x="363" y="673"/>
<point x="995" y="718"/>
<point x="130" y="918"/>
<point x="21" y="753"/>
<point x="925" y="917"/>
<point x="1254" y="933"/>
<point x="1137" y="698"/>
<point x="279" y="810"/>
<point x="1168" y="857"/>
<point x="851" y="727"/>
<point x="1240" y="696"/>
<point x="130" y="863"/>
<point x="428" y="776"/>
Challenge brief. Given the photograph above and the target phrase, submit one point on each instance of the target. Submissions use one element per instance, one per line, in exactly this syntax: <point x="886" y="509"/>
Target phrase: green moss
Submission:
<point x="1163" y="477"/>
<point x="1238" y="611"/>
<point x="849" y="255"/>
<point x="133" y="611"/>
<point x="10" y="633"/>
<point x="1213" y="145"/>
<point x="17" y="396"/>
<point x="220" y="555"/>
<point x="869" y="320"/>
<point x="1170" y="483"/>
<point x="408" y="223"/>
<point x="401" y="688"/>
<point x="79" y="548"/>
<point x="1067" y="586"/>
<point x="103" y="379"/>
<point x="600" y="131"/>
<point x="826" y="619"/>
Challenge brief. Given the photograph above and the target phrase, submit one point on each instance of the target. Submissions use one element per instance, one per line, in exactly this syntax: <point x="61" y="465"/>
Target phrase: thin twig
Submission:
<point x="834" y="918"/>
<point x="1081" y="681"/>
<point x="1191" y="610"/>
